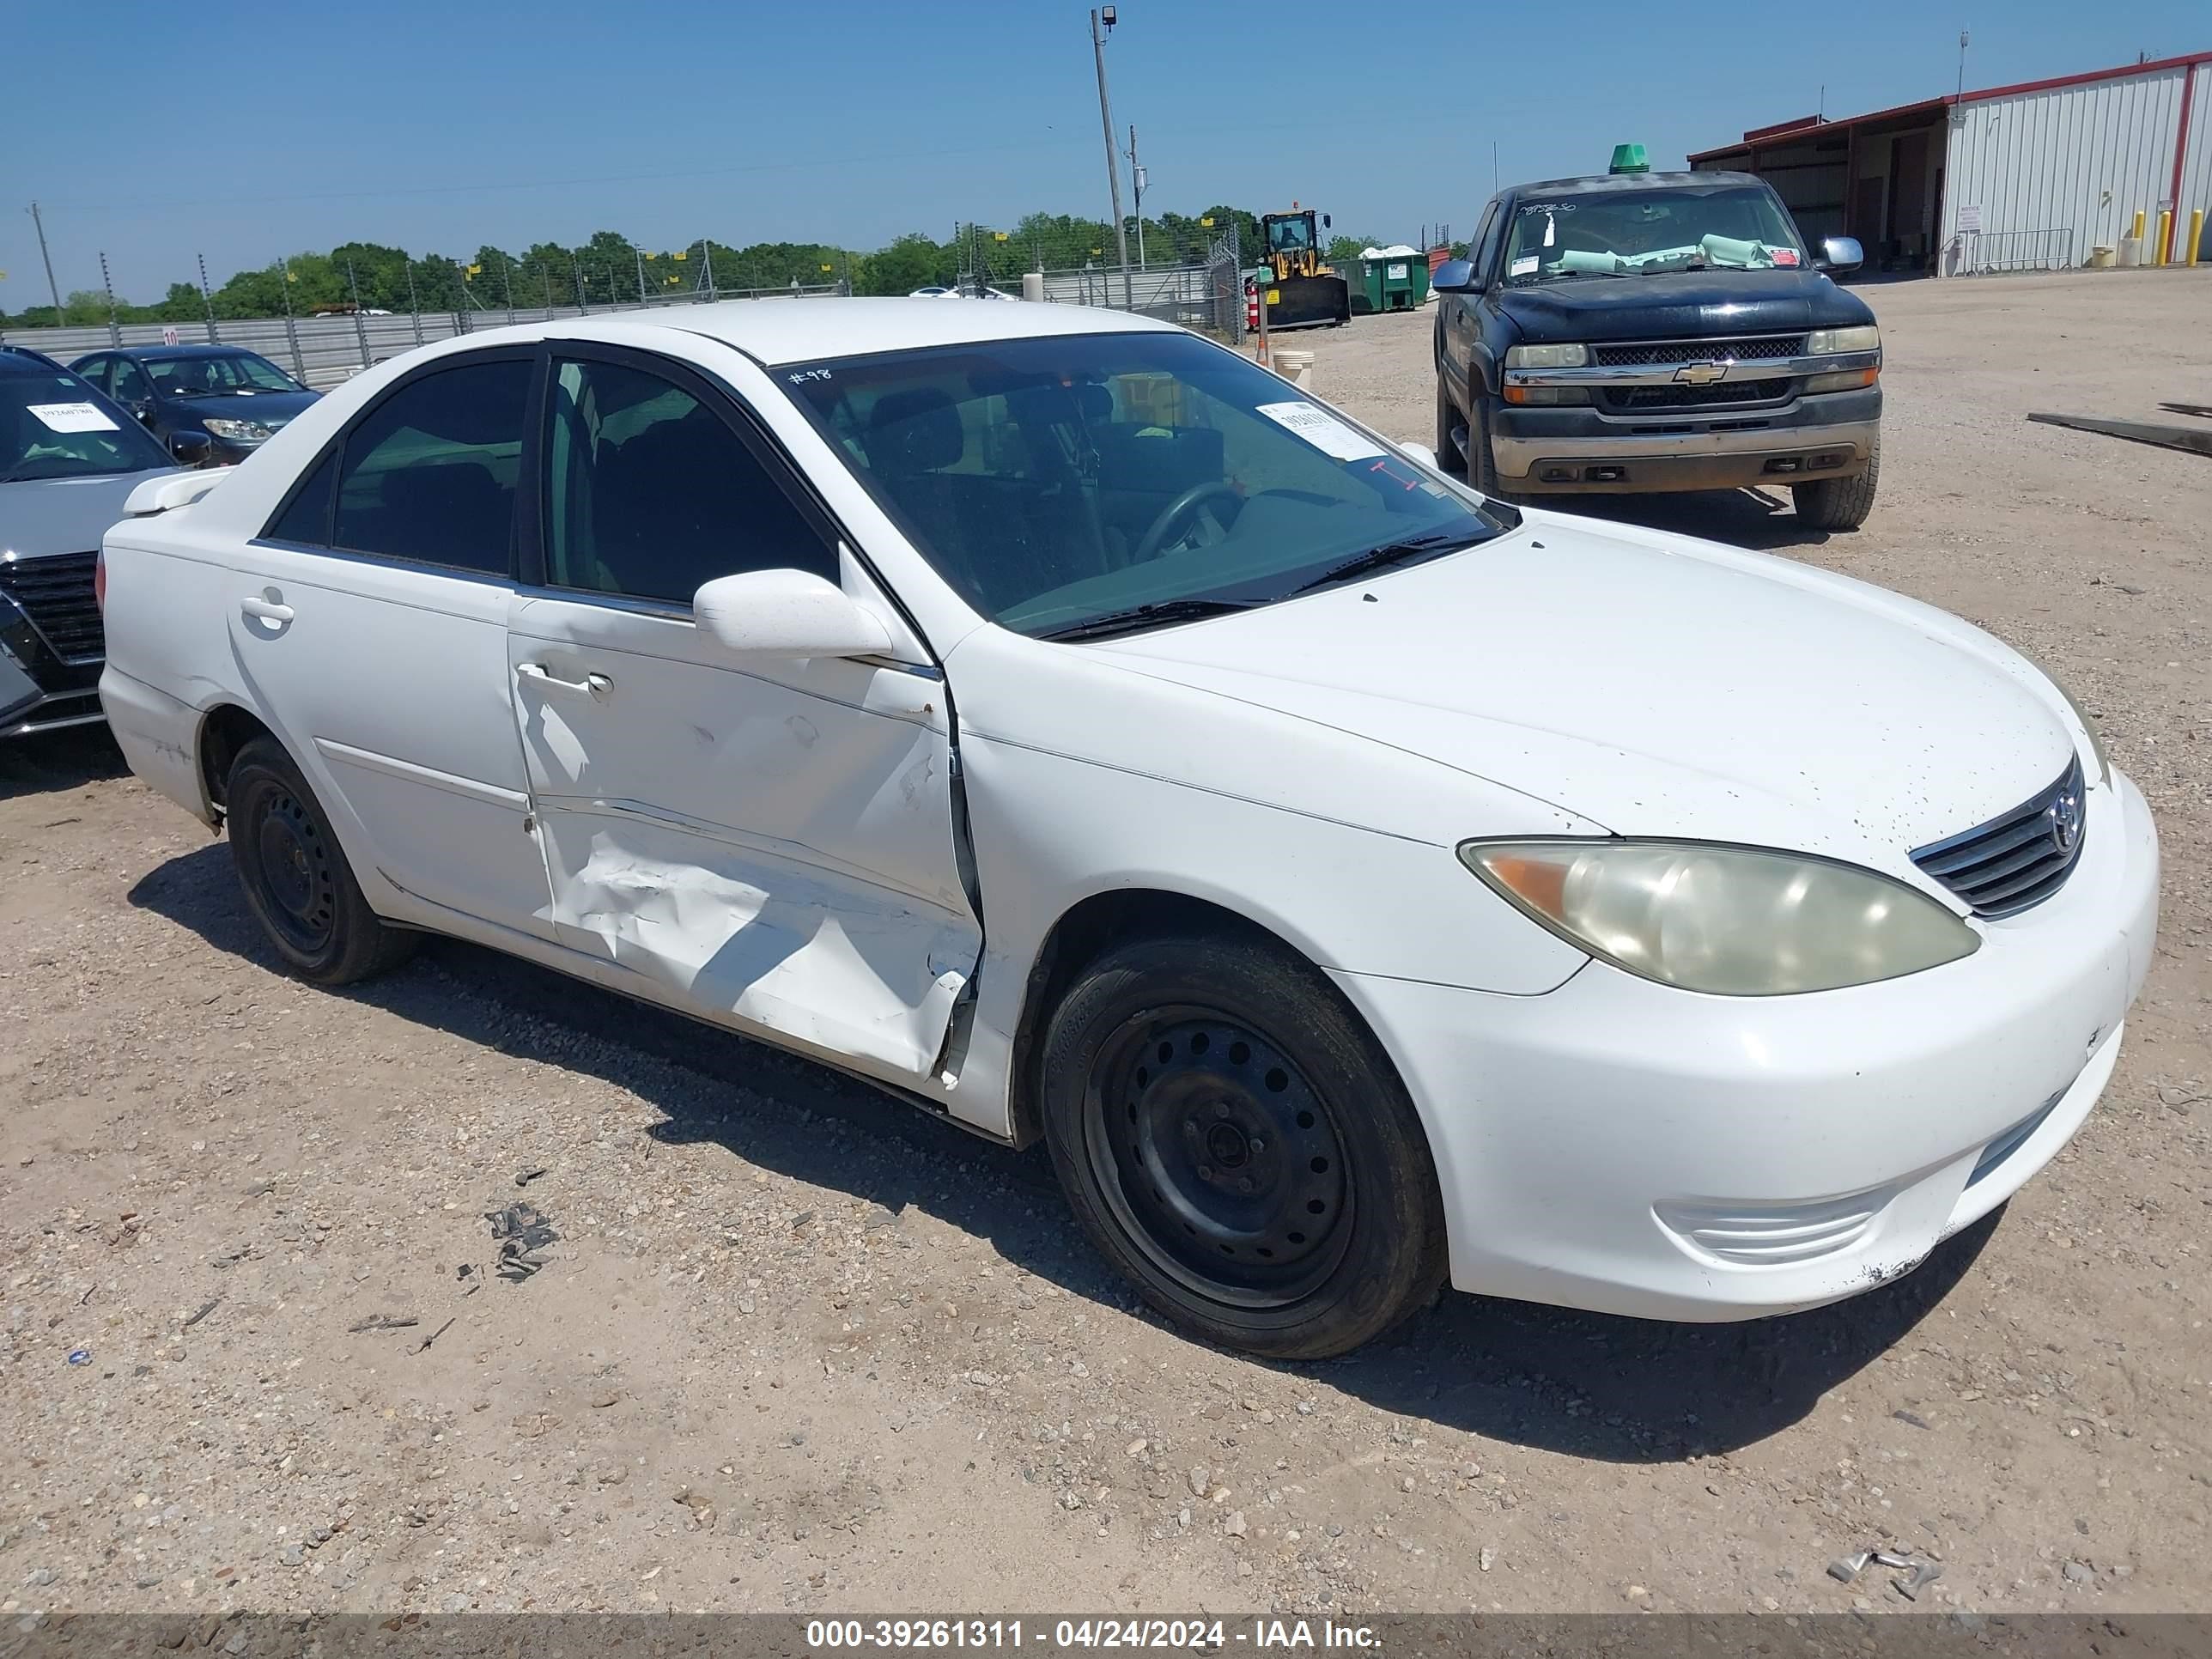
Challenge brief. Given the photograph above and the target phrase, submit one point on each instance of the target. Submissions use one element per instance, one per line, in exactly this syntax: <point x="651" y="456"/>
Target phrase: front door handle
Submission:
<point x="597" y="687"/>
<point x="268" y="610"/>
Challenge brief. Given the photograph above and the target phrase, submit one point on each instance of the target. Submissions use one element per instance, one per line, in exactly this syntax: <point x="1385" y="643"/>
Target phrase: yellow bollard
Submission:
<point x="2195" y="236"/>
<point x="2164" y="235"/>
<point x="2137" y="231"/>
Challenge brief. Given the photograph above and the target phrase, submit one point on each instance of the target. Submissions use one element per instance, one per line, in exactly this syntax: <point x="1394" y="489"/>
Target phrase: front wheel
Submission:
<point x="1233" y="1141"/>
<point x="1840" y="503"/>
<point x="1451" y="454"/>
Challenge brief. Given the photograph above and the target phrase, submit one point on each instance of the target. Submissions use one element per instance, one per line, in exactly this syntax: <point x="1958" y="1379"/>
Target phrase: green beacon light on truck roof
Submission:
<point x="1629" y="158"/>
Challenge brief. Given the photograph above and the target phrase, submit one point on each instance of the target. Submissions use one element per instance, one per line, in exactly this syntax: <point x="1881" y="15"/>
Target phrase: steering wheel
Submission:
<point x="1176" y="510"/>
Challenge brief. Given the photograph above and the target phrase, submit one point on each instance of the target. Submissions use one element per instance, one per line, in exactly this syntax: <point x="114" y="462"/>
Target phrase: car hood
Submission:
<point x="274" y="407"/>
<point x="42" y="516"/>
<point x="1655" y="685"/>
<point x="1682" y="305"/>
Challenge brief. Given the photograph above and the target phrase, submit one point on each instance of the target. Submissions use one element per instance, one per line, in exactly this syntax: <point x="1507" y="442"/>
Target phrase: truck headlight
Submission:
<point x="1546" y="356"/>
<point x="1730" y="921"/>
<point x="239" y="432"/>
<point x="1831" y="342"/>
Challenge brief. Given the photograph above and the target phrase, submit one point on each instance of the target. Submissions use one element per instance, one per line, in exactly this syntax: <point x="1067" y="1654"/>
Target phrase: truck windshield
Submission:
<point x="1632" y="232"/>
<point x="52" y="425"/>
<point x="1074" y="484"/>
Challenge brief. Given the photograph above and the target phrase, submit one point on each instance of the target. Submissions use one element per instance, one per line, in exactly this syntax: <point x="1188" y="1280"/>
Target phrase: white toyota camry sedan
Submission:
<point x="1063" y="722"/>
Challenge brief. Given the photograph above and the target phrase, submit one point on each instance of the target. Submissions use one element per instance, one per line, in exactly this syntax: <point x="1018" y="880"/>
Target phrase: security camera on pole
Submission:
<point x="1105" y="14"/>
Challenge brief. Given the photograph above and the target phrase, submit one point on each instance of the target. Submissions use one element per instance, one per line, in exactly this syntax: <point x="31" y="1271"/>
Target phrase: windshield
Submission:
<point x="1630" y="233"/>
<point x="52" y="425"/>
<point x="194" y="377"/>
<point x="1289" y="235"/>
<point x="1059" y="482"/>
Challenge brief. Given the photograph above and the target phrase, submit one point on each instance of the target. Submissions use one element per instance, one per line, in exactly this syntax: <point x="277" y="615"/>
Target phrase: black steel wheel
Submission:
<point x="1233" y="1138"/>
<point x="296" y="879"/>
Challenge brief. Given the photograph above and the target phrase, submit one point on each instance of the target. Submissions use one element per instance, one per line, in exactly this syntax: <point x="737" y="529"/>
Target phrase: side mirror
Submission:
<point x="1421" y="452"/>
<point x="1842" y="253"/>
<point x="1454" y="276"/>
<point x="1326" y="221"/>
<point x="145" y="413"/>
<point x="191" y="448"/>
<point x="787" y="614"/>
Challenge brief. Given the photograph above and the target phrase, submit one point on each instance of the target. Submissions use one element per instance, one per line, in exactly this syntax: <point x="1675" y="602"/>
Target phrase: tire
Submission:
<point x="1451" y="456"/>
<point x="1840" y="503"/>
<point x="1481" y="463"/>
<point x="297" y="881"/>
<point x="1233" y="1140"/>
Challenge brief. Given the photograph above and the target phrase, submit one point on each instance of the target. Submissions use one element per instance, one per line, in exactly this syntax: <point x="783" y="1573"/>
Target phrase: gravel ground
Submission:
<point x="797" y="1348"/>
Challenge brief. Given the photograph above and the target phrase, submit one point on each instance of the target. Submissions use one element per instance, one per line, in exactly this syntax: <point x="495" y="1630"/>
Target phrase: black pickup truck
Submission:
<point x="1658" y="331"/>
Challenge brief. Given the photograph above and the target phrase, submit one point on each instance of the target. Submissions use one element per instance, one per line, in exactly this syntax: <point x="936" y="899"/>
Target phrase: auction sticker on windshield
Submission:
<point x="71" y="417"/>
<point x="1322" y="430"/>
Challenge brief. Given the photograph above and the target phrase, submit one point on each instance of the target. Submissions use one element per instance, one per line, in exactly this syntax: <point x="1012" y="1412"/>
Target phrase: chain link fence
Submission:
<point x="324" y="350"/>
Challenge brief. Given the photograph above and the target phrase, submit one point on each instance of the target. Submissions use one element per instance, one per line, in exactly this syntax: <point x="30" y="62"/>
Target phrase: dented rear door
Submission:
<point x="772" y="845"/>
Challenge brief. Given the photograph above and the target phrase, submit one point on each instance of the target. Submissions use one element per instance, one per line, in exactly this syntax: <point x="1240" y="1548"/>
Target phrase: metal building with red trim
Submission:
<point x="2034" y="176"/>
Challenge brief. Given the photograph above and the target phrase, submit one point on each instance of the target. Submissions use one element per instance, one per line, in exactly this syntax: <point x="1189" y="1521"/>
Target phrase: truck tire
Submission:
<point x="1450" y="456"/>
<point x="1481" y="463"/>
<point x="1840" y="503"/>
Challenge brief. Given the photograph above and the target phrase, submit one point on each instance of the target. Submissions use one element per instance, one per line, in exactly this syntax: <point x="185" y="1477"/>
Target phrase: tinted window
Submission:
<point x="94" y="369"/>
<point x="649" y="494"/>
<point x="430" y="473"/>
<point x="1486" y="249"/>
<point x="307" y="517"/>
<point x="205" y="375"/>
<point x="129" y="382"/>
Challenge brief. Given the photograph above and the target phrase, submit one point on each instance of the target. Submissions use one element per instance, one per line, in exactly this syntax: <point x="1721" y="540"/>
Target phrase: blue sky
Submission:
<point x="247" y="130"/>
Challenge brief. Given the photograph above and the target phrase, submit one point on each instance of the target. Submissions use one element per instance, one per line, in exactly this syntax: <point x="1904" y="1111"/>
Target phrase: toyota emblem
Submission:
<point x="2064" y="817"/>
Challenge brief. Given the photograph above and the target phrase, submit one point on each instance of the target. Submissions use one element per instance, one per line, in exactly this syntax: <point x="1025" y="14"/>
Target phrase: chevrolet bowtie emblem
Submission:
<point x="1701" y="374"/>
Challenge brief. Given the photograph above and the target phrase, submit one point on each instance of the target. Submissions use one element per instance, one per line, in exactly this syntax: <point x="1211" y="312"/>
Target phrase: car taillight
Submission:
<point x="99" y="581"/>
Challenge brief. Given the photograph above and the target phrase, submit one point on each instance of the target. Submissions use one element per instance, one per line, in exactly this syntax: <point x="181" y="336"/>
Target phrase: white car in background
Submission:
<point x="1063" y="722"/>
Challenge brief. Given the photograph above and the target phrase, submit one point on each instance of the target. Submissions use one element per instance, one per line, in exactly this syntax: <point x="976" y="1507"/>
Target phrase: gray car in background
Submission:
<point x="68" y="460"/>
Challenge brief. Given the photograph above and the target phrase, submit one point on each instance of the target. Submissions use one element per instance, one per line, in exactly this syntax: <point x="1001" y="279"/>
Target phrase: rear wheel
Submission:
<point x="297" y="881"/>
<point x="1232" y="1139"/>
<point x="1840" y="503"/>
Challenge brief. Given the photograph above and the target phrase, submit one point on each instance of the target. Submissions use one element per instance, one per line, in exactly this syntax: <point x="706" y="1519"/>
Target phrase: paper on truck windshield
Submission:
<point x="1322" y="430"/>
<point x="72" y="417"/>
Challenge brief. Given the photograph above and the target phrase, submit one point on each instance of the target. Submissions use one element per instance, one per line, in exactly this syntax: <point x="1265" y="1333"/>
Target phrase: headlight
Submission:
<point x="1546" y="356"/>
<point x="1828" y="342"/>
<point x="1730" y="920"/>
<point x="247" y="432"/>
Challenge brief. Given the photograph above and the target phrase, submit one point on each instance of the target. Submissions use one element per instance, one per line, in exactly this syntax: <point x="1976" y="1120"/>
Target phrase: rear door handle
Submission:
<point x="597" y="687"/>
<point x="265" y="610"/>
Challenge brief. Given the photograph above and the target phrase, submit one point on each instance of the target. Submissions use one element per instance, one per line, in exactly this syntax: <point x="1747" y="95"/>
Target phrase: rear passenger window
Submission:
<point x="649" y="494"/>
<point x="430" y="473"/>
<point x="307" y="517"/>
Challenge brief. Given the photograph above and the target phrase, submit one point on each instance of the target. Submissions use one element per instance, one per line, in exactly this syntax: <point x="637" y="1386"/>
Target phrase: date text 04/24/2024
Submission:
<point x="1200" y="1635"/>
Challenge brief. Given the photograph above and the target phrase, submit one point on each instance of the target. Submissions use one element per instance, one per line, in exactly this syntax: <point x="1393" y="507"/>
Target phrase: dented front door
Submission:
<point x="774" y="846"/>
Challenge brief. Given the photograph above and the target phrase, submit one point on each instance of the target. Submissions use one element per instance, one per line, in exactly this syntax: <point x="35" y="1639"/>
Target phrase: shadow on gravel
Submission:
<point x="51" y="762"/>
<point x="1761" y="519"/>
<point x="1619" y="1390"/>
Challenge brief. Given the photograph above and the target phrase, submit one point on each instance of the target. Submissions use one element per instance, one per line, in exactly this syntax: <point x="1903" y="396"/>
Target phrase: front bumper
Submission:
<point x="1622" y="1146"/>
<point x="39" y="690"/>
<point x="1576" y="449"/>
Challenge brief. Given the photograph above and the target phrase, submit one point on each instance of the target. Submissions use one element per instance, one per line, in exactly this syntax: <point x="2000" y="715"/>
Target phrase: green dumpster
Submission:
<point x="1394" y="279"/>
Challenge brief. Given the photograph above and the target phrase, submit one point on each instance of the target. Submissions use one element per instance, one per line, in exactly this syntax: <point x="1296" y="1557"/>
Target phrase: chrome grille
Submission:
<point x="1750" y="348"/>
<point x="1695" y="397"/>
<point x="2018" y="857"/>
<point x="56" y="594"/>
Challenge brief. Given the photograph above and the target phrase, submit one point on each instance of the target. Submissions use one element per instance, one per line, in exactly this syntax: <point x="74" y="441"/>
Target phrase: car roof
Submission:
<point x="163" y="354"/>
<point x="798" y="331"/>
<point x="21" y="356"/>
<point x="1598" y="184"/>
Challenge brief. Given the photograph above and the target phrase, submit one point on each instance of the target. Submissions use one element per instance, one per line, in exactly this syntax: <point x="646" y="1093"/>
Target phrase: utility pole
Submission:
<point x="207" y="300"/>
<point x="114" y="333"/>
<point x="49" y="259"/>
<point x="1962" y="66"/>
<point x="640" y="252"/>
<point x="1137" y="188"/>
<point x="1106" y="124"/>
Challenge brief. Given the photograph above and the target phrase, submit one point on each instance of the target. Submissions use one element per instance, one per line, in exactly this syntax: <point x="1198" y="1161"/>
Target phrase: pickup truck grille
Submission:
<point x="56" y="594"/>
<point x="1642" y="397"/>
<point x="2018" y="857"/>
<point x="1749" y="348"/>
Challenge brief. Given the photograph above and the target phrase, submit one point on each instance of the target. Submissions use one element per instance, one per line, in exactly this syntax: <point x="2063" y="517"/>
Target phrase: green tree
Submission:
<point x="911" y="262"/>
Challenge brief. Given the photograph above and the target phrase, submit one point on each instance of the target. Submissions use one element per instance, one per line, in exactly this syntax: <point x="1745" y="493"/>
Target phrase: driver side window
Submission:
<point x="1485" y="244"/>
<point x="649" y="494"/>
<point x="130" y="383"/>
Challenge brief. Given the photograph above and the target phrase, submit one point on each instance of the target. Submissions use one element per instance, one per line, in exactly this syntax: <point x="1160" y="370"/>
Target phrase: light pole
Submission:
<point x="1105" y="14"/>
<point x="1136" y="190"/>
